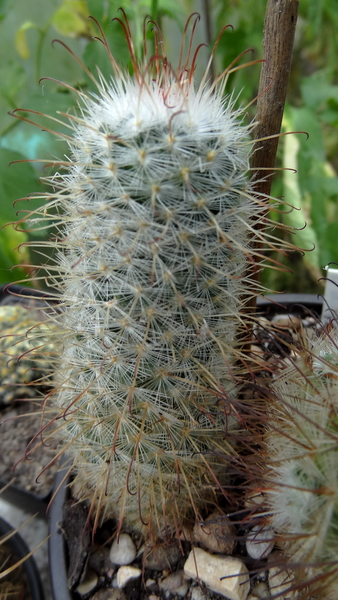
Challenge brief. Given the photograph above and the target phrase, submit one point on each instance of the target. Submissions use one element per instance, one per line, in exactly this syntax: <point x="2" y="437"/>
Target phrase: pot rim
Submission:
<point x="20" y="549"/>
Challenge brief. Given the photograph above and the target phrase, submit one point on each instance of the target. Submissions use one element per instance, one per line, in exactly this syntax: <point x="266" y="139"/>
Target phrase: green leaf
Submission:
<point x="36" y="142"/>
<point x="21" y="39"/>
<point x="96" y="56"/>
<point x="154" y="9"/>
<point x="315" y="14"/>
<point x="71" y="19"/>
<point x="316" y="90"/>
<point x="96" y="9"/>
<point x="169" y="8"/>
<point x="11" y="255"/>
<point x="3" y="9"/>
<point x="304" y="236"/>
<point x="332" y="11"/>
<point x="12" y="79"/>
<point x="16" y="181"/>
<point x="305" y="119"/>
<point x="327" y="180"/>
<point x="330" y="115"/>
<point x="103" y="11"/>
<point x="331" y="242"/>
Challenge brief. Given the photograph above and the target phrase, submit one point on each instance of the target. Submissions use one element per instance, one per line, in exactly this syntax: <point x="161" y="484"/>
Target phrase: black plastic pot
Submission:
<point x="299" y="304"/>
<point x="57" y="543"/>
<point x="20" y="550"/>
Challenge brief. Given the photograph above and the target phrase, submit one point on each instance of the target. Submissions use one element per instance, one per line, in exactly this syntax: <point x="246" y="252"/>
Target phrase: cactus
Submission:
<point x="300" y="474"/>
<point x="156" y="240"/>
<point x="22" y="363"/>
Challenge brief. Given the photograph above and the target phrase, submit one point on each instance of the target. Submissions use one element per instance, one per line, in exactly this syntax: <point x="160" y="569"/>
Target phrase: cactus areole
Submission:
<point x="155" y="216"/>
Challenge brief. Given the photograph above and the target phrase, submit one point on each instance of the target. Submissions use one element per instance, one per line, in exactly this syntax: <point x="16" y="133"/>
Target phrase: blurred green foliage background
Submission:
<point x="27" y="29"/>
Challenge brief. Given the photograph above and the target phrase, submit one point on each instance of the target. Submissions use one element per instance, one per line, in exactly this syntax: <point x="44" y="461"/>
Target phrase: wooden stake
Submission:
<point x="278" y="36"/>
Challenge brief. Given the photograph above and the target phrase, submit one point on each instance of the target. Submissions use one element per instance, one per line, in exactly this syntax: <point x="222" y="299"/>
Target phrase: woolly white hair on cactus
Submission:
<point x="156" y="238"/>
<point x="302" y="475"/>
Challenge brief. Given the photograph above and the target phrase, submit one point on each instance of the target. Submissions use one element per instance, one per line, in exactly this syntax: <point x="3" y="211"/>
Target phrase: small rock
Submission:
<point x="286" y="321"/>
<point x="109" y="594"/>
<point x="198" y="594"/>
<point x="152" y="597"/>
<point x="280" y="580"/>
<point x="175" y="583"/>
<point x="161" y="557"/>
<point x="260" y="590"/>
<point x="88" y="584"/>
<point x="125" y="574"/>
<point x="258" y="354"/>
<point x="123" y="550"/>
<point x="211" y="569"/>
<point x="150" y="583"/>
<point x="182" y="590"/>
<point x="254" y="500"/>
<point x="216" y="534"/>
<point x="260" y="542"/>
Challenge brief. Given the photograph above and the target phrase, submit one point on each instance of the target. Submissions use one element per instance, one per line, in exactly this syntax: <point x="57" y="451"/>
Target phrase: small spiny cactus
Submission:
<point x="156" y="242"/>
<point x="300" y="471"/>
<point x="22" y="365"/>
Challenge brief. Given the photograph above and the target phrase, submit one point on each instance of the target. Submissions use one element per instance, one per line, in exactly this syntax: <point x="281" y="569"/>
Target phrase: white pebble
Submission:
<point x="88" y="584"/>
<point x="197" y="594"/>
<point x="260" y="590"/>
<point x="123" y="550"/>
<point x="254" y="500"/>
<point x="280" y="582"/>
<point x="222" y="574"/>
<point x="125" y="574"/>
<point x="260" y="542"/>
<point x="176" y="584"/>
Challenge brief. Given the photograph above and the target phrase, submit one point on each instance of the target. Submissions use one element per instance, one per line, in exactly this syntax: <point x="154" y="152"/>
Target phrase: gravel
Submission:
<point x="18" y="427"/>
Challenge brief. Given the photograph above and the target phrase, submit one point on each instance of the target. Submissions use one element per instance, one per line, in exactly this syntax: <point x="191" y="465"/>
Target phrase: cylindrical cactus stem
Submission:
<point x="300" y="482"/>
<point x="155" y="219"/>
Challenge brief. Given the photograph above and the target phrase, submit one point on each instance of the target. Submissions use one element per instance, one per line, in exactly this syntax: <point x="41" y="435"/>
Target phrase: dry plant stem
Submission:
<point x="278" y="37"/>
<point x="208" y="30"/>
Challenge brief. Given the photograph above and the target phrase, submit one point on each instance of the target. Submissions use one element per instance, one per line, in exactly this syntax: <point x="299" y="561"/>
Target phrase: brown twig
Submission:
<point x="278" y="37"/>
<point x="208" y="31"/>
